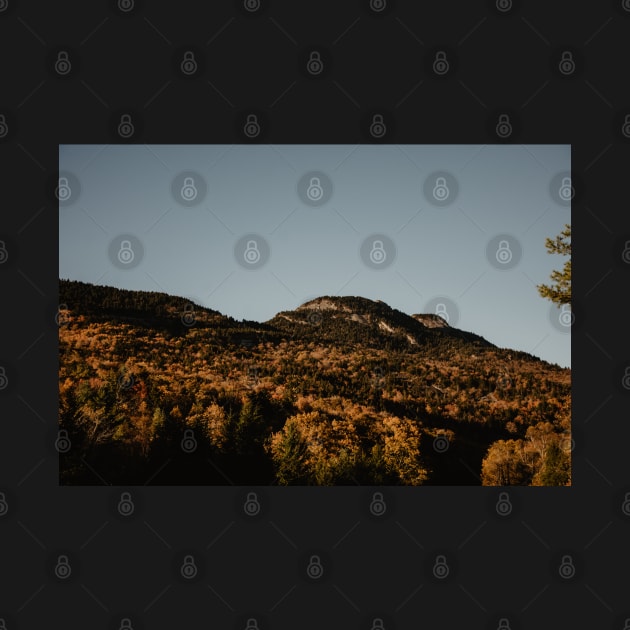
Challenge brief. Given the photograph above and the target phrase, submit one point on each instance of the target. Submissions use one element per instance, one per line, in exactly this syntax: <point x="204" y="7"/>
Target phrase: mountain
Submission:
<point x="341" y="390"/>
<point x="375" y="324"/>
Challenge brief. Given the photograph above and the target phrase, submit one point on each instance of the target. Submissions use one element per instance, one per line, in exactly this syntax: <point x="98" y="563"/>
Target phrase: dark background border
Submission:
<point x="254" y="62"/>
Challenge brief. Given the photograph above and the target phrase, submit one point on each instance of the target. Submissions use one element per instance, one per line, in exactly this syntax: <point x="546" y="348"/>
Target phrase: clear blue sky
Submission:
<point x="442" y="252"/>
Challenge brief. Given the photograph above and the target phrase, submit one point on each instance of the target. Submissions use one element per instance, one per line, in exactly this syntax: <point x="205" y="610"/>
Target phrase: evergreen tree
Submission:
<point x="560" y="291"/>
<point x="290" y="454"/>
<point x="250" y="428"/>
<point x="556" y="468"/>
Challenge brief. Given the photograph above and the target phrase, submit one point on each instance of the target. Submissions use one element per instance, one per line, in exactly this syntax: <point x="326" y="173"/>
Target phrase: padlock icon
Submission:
<point x="315" y="64"/>
<point x="504" y="126"/>
<point x="625" y="255"/>
<point x="625" y="128"/>
<point x="504" y="5"/>
<point x="378" y="5"/>
<point x="61" y="317"/>
<point x="567" y="444"/>
<point x="4" y="506"/>
<point x="440" y="568"/>
<point x="125" y="126"/>
<point x="125" y="253"/>
<point x="125" y="624"/>
<point x="252" y="375"/>
<point x="188" y="318"/>
<point x="378" y="128"/>
<point x="62" y="64"/>
<point x="125" y="504"/>
<point x="126" y="5"/>
<point x="625" y="381"/>
<point x="566" y="568"/>
<point x="315" y="570"/>
<point x="440" y="63"/>
<point x="4" y="379"/>
<point x="125" y="381"/>
<point x="625" y="506"/>
<point x="315" y="318"/>
<point x="189" y="190"/>
<point x="62" y="443"/>
<point x="378" y="255"/>
<point x="378" y="505"/>
<point x="251" y="506"/>
<point x="504" y="505"/>
<point x="440" y="444"/>
<point x="252" y="253"/>
<point x="440" y="309"/>
<point x="504" y="253"/>
<point x="63" y="192"/>
<point x="378" y="375"/>
<point x="566" y="190"/>
<point x="252" y="126"/>
<point x="189" y="63"/>
<point x="251" y="5"/>
<point x="440" y="190"/>
<point x="566" y="317"/>
<point x="377" y="624"/>
<point x="188" y="568"/>
<point x="189" y="442"/>
<point x="504" y="624"/>
<point x="4" y="254"/>
<point x="4" y="128"/>
<point x="252" y="624"/>
<point x="315" y="191"/>
<point x="63" y="568"/>
<point x="567" y="64"/>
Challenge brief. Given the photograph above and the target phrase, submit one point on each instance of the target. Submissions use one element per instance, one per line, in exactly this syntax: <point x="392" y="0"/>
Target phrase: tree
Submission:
<point x="289" y="451"/>
<point x="218" y="428"/>
<point x="505" y="465"/>
<point x="401" y="450"/>
<point x="556" y="469"/>
<point x="560" y="291"/>
<point x="249" y="432"/>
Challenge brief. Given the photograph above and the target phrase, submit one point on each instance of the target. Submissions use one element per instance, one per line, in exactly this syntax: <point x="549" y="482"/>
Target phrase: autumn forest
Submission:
<point x="340" y="391"/>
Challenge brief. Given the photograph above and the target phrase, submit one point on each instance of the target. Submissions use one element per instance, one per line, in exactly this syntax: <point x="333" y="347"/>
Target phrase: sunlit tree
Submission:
<point x="559" y="292"/>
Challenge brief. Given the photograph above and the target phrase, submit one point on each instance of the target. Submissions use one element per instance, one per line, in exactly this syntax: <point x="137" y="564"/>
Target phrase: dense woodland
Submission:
<point x="343" y="390"/>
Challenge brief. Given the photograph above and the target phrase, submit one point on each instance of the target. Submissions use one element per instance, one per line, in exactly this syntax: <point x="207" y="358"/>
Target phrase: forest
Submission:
<point x="340" y="391"/>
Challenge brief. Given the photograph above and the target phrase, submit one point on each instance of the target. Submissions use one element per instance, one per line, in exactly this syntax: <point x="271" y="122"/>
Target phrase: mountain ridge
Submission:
<point x="324" y="302"/>
<point x="340" y="390"/>
<point x="317" y="318"/>
<point x="334" y="317"/>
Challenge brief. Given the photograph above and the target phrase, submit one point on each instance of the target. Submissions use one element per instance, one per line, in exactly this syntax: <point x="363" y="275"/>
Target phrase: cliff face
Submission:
<point x="336" y="319"/>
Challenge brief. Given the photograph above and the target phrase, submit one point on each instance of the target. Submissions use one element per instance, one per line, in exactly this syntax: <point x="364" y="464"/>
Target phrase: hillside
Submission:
<point x="341" y="390"/>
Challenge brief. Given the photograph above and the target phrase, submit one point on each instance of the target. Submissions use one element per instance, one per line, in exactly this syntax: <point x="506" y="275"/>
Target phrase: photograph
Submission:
<point x="314" y="315"/>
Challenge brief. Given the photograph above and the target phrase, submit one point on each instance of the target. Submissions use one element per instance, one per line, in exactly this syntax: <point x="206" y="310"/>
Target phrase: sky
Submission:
<point x="251" y="230"/>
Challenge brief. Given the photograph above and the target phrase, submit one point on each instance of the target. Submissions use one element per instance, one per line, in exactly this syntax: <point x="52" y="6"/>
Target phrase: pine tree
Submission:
<point x="290" y="453"/>
<point x="556" y="468"/>
<point x="250" y="428"/>
<point x="560" y="291"/>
